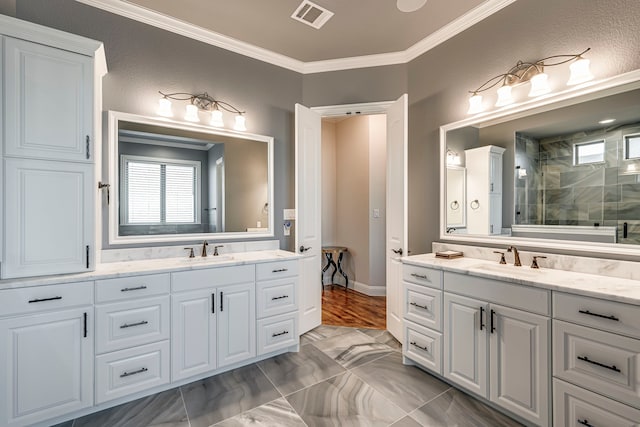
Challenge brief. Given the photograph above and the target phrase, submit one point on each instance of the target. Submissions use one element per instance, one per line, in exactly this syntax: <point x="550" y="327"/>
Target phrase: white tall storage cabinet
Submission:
<point x="51" y="118"/>
<point x="484" y="189"/>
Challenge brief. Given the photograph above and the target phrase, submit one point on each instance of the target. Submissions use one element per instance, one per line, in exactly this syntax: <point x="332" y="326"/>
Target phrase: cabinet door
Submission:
<point x="48" y="217"/>
<point x="193" y="333"/>
<point x="520" y="363"/>
<point x="49" y="102"/>
<point x="495" y="214"/>
<point x="236" y="323"/>
<point x="495" y="173"/>
<point x="465" y="343"/>
<point x="46" y="366"/>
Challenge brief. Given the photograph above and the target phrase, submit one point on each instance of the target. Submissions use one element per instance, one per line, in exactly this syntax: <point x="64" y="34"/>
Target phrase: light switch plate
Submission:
<point x="376" y="213"/>
<point x="289" y="214"/>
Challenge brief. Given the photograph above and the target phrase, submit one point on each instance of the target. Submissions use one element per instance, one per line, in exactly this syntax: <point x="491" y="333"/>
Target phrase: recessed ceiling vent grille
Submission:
<point x="312" y="14"/>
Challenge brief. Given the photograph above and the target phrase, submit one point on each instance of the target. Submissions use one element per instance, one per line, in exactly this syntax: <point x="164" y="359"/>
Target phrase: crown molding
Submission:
<point x="156" y="19"/>
<point x="146" y="16"/>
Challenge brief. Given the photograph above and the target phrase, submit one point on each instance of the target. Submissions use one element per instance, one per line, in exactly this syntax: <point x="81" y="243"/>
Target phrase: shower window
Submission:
<point x="588" y="152"/>
<point x="632" y="146"/>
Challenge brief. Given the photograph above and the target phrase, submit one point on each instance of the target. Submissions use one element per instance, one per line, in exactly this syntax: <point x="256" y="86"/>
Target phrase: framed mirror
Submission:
<point x="172" y="181"/>
<point x="568" y="176"/>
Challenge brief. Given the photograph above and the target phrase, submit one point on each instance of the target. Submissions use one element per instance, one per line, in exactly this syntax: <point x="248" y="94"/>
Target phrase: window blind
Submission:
<point x="160" y="192"/>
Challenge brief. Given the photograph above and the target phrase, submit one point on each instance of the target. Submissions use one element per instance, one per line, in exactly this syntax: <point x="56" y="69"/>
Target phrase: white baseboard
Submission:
<point x="372" y="291"/>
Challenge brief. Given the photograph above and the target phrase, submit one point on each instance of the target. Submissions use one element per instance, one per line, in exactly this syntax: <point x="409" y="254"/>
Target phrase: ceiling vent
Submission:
<point x="312" y="14"/>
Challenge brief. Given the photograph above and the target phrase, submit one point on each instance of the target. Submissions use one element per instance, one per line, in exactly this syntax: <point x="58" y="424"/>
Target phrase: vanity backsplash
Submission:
<point x="588" y="265"/>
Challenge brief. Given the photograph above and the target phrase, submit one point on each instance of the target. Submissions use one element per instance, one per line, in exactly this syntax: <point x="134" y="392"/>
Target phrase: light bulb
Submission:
<point x="164" y="107"/>
<point x="475" y="104"/>
<point x="580" y="72"/>
<point x="216" y="119"/>
<point x="240" y="123"/>
<point x="191" y="113"/>
<point x="504" y="96"/>
<point x="539" y="85"/>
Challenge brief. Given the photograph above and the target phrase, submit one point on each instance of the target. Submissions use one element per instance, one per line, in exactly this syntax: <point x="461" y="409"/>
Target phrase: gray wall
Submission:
<point x="143" y="60"/>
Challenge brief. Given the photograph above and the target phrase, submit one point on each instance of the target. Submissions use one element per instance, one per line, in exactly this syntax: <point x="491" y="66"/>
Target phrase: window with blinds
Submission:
<point x="158" y="191"/>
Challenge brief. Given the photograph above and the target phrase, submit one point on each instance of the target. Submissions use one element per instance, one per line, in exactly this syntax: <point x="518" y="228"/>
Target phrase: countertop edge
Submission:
<point x="590" y="285"/>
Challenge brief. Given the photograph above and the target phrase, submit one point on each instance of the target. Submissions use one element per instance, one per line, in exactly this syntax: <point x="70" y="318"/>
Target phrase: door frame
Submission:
<point x="359" y="109"/>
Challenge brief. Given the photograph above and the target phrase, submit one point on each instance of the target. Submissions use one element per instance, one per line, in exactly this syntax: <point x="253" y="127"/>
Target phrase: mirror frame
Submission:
<point x="570" y="96"/>
<point x="114" y="117"/>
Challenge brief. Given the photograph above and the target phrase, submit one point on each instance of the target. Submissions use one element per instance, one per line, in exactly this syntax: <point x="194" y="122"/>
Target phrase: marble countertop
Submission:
<point x="152" y="266"/>
<point x="610" y="288"/>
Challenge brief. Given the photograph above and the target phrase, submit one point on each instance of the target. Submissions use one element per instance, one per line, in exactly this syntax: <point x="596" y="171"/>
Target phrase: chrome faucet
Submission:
<point x="204" y="249"/>
<point x="516" y="256"/>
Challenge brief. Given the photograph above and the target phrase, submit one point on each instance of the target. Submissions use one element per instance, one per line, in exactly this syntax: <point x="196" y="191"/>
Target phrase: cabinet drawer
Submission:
<point x="525" y="298"/>
<point x="276" y="270"/>
<point x="42" y="298"/>
<point x="130" y="371"/>
<point x="423" y="306"/>
<point x="422" y="276"/>
<point x="125" y="288"/>
<point x="600" y="361"/>
<point x="277" y="296"/>
<point x="601" y="314"/>
<point x="212" y="277"/>
<point x="423" y="346"/>
<point x="278" y="332"/>
<point x="131" y="323"/>
<point x="574" y="406"/>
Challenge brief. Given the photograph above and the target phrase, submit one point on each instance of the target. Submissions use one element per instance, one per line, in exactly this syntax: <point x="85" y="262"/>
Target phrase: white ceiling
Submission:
<point x="361" y="33"/>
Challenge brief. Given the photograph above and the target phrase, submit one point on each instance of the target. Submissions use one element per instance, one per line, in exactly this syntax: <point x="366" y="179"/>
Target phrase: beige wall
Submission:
<point x="377" y="199"/>
<point x="328" y="183"/>
<point x="354" y="181"/>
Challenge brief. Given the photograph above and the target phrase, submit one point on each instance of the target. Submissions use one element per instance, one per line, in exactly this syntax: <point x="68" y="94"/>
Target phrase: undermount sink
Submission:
<point x="507" y="269"/>
<point x="208" y="260"/>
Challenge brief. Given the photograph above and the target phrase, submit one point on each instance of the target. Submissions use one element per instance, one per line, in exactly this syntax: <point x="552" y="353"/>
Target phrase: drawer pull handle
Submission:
<point x="280" y="270"/>
<point x="128" y="374"/>
<point x="131" y="325"/>
<point x="585" y="423"/>
<point x="593" y="362"/>
<point x="424" y="307"/>
<point x="280" y="333"/>
<point x="415" y="344"/>
<point x="599" y="315"/>
<point x="137" y="288"/>
<point x="421" y="276"/>
<point x="43" y="299"/>
<point x="282" y="297"/>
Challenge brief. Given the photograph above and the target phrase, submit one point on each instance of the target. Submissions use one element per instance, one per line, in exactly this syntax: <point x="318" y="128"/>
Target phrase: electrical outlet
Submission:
<point x="376" y="213"/>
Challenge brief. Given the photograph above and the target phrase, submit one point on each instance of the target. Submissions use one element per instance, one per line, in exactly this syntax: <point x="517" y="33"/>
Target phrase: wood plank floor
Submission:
<point x="351" y="308"/>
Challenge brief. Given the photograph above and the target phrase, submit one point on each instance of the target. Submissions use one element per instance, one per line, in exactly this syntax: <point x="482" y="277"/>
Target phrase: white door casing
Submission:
<point x="396" y="241"/>
<point x="308" y="193"/>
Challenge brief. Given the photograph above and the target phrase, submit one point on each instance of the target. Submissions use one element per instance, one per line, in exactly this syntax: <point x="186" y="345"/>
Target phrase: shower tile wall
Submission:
<point x="557" y="192"/>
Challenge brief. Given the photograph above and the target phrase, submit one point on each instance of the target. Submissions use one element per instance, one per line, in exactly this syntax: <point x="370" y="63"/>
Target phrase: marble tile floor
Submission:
<point x="341" y="377"/>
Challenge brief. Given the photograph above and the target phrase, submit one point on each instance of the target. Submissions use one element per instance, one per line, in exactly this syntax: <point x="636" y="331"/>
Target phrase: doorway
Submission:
<point x="308" y="204"/>
<point x="353" y="174"/>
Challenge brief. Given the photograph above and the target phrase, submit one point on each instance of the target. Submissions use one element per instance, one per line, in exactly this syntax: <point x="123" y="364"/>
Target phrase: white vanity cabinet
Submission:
<point x="132" y="335"/>
<point x="422" y="313"/>
<point x="50" y="121"/>
<point x="484" y="190"/>
<point x="276" y="305"/>
<point x="46" y="362"/>
<point x="497" y="341"/>
<point x="596" y="362"/>
<point x="213" y="321"/>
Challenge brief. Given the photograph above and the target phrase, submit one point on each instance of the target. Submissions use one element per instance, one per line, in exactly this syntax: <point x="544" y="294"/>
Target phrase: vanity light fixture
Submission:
<point x="532" y="72"/>
<point x="203" y="102"/>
